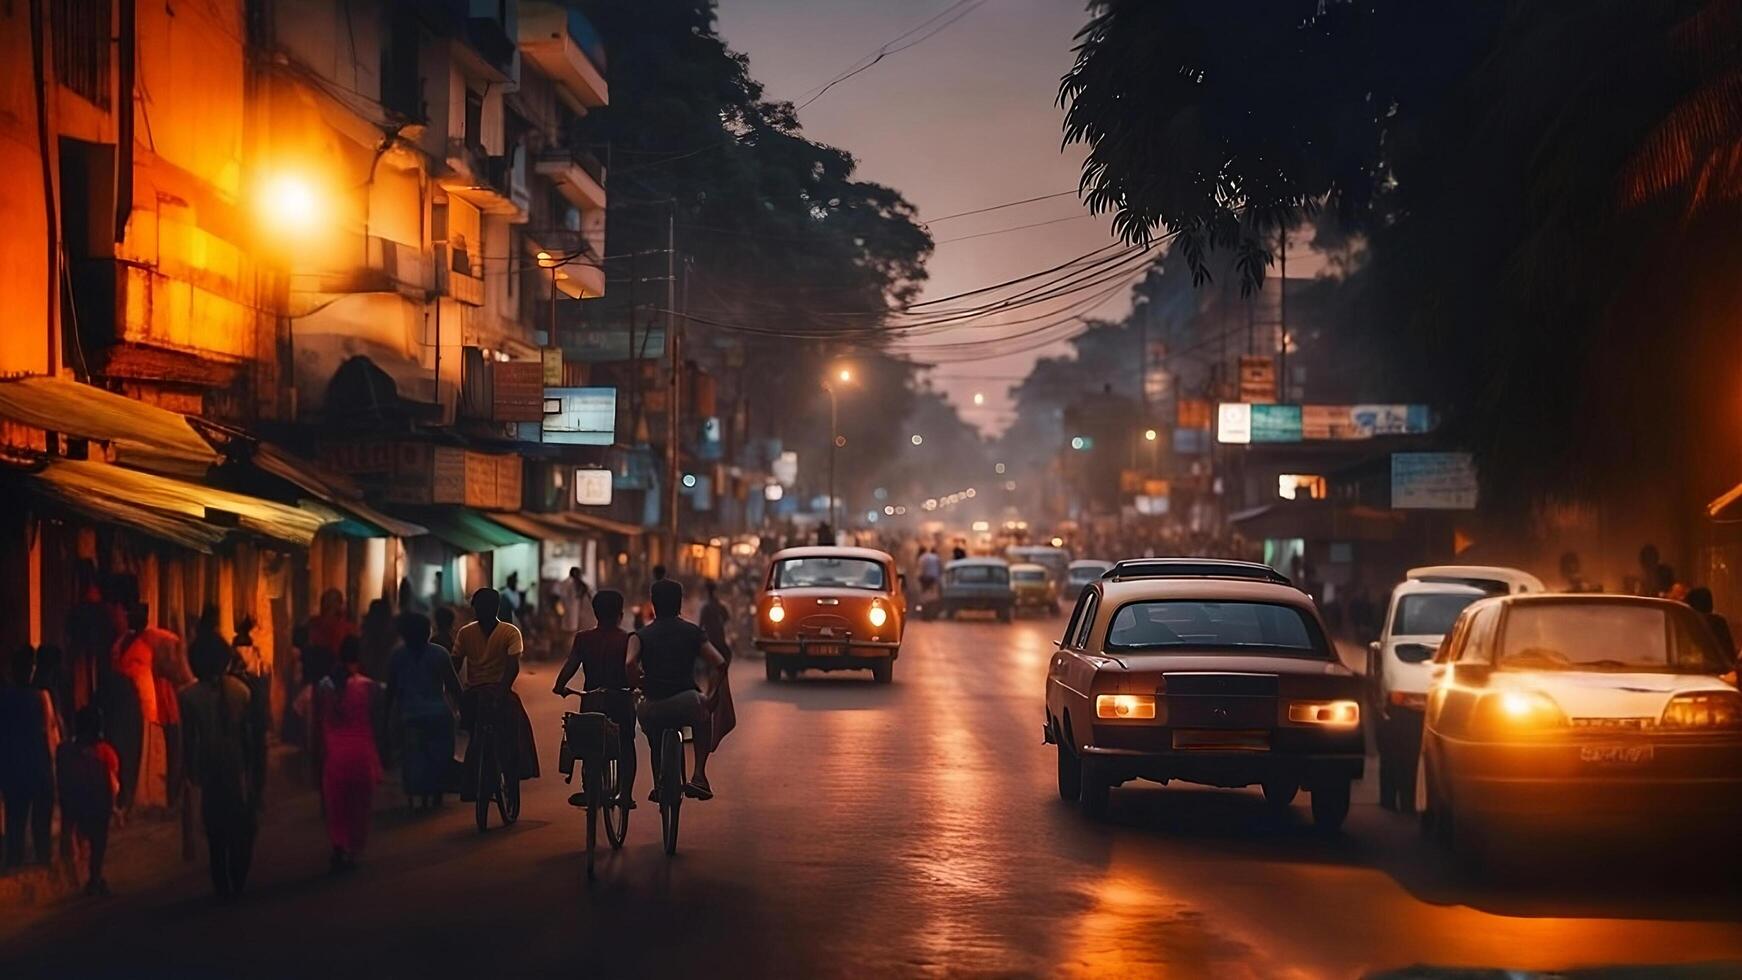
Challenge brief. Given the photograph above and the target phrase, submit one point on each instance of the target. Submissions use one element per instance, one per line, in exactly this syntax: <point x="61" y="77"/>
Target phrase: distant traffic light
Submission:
<point x="1082" y="443"/>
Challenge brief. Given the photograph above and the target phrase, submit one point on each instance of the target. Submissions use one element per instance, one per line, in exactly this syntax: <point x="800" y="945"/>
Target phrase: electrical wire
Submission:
<point x="955" y="12"/>
<point x="997" y="207"/>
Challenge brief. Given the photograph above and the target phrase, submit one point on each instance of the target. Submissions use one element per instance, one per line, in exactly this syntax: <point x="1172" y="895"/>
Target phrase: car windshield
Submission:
<point x="979" y="575"/>
<point x="1606" y="636"/>
<point x="1429" y="613"/>
<point x="1201" y="625"/>
<point x="1029" y="576"/>
<point x="846" y="573"/>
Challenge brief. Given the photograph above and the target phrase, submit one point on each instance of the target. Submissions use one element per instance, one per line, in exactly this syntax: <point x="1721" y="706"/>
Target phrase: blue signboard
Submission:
<point x="1276" y="423"/>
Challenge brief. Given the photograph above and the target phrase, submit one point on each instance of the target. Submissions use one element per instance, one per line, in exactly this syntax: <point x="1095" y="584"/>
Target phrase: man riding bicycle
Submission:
<point x="668" y="651"/>
<point x="601" y="654"/>
<point x="488" y="652"/>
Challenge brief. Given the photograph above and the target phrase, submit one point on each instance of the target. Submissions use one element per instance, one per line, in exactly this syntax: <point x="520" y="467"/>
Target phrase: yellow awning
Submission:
<point x="117" y="489"/>
<point x="140" y="435"/>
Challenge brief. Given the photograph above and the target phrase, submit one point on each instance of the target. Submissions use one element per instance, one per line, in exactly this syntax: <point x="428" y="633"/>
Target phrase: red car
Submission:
<point x="831" y="608"/>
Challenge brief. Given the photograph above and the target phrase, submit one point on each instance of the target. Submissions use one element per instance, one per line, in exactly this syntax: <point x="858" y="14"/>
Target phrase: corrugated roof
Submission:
<point x="333" y="489"/>
<point x="119" y="488"/>
<point x="141" y="435"/>
<point x="469" y="531"/>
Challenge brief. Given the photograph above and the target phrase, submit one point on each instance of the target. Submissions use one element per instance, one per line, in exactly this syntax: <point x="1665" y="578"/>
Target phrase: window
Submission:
<point x="475" y="120"/>
<point x="1076" y="617"/>
<point x="1200" y="625"/>
<point x="1430" y="613"/>
<point x="1478" y="645"/>
<point x="81" y="47"/>
<point x="846" y="573"/>
<point x="1088" y="621"/>
<point x="978" y="575"/>
<point x="1606" y="636"/>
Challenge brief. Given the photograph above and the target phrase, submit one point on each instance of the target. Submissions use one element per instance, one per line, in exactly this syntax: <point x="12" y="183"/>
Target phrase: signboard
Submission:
<point x="1193" y="413"/>
<point x="1328" y="422"/>
<point x="517" y="391"/>
<point x="709" y="446"/>
<point x="593" y="488"/>
<point x="612" y="343"/>
<point x="447" y="475"/>
<point x="1433" y="481"/>
<point x="1257" y="379"/>
<point x="552" y="358"/>
<point x="1276" y="423"/>
<point x="1389" y="420"/>
<point x="1130" y="481"/>
<point x="1151" y="506"/>
<point x="580" y="416"/>
<point x="1234" y="423"/>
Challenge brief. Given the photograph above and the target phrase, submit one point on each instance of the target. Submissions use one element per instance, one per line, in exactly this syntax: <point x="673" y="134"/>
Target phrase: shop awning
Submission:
<point x="140" y="435"/>
<point x="592" y="522"/>
<point x="469" y="531"/>
<point x="333" y="490"/>
<point x="184" y="513"/>
<point x="544" y="527"/>
<point x="1727" y="508"/>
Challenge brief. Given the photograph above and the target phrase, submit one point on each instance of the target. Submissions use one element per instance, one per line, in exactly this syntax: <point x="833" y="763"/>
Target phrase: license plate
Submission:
<point x="1616" y="755"/>
<point x="1192" y="738"/>
<point x="825" y="649"/>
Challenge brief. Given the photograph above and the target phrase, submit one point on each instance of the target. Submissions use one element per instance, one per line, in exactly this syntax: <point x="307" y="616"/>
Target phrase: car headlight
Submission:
<point x="776" y="613"/>
<point x="1125" y="706"/>
<point x="1705" y="710"/>
<point x="1331" y="714"/>
<point x="878" y="615"/>
<point x="1519" y="711"/>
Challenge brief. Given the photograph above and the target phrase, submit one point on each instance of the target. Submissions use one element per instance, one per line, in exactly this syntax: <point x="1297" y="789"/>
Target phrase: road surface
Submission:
<point x="904" y="830"/>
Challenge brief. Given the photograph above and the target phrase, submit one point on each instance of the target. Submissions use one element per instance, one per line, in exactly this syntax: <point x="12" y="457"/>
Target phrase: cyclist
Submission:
<point x="668" y="651"/>
<point x="489" y="651"/>
<point x="601" y="655"/>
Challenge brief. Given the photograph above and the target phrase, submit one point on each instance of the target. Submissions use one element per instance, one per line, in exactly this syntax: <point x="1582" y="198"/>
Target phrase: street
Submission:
<point x="901" y="830"/>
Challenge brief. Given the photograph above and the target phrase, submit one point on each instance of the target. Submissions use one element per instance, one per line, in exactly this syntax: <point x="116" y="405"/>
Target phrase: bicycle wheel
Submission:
<point x="595" y="801"/>
<point x="485" y="789"/>
<point x="616" y="806"/>
<point x="508" y="800"/>
<point x="671" y="780"/>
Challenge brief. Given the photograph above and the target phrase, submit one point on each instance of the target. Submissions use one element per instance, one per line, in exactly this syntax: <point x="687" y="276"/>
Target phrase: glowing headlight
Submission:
<point x="776" y="613"/>
<point x="1334" y="714"/>
<point x="1707" y="709"/>
<point x="1125" y="706"/>
<point x="878" y="616"/>
<point x="1516" y="710"/>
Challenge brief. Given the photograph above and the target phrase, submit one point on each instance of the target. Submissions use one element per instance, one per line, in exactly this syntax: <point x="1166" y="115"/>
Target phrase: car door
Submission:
<point x="1064" y="688"/>
<point x="1470" y="647"/>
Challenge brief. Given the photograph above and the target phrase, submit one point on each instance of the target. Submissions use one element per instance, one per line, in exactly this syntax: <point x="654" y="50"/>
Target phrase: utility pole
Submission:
<point x="1282" y="318"/>
<point x="674" y="337"/>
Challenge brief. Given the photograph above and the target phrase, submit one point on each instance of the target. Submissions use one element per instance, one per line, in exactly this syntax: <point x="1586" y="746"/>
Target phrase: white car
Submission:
<point x="1082" y="573"/>
<point x="1399" y="667"/>
<point x="1578" y="708"/>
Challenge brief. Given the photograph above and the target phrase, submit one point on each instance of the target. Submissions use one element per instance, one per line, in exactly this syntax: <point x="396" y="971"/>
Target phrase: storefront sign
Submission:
<point x="580" y="416"/>
<point x="1234" y="423"/>
<point x="593" y="488"/>
<point x="517" y="391"/>
<point x="1192" y="413"/>
<point x="552" y="358"/>
<point x="1191" y="442"/>
<point x="1276" y="423"/>
<point x="1433" y="481"/>
<point x="1257" y="379"/>
<point x="785" y="468"/>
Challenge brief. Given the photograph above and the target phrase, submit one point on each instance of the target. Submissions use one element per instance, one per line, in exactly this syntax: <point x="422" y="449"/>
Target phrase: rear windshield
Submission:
<point x="1429" y="614"/>
<point x="1028" y="576"/>
<point x="1203" y="625"/>
<point x="979" y="575"/>
<point x="1604" y="636"/>
<point x="846" y="573"/>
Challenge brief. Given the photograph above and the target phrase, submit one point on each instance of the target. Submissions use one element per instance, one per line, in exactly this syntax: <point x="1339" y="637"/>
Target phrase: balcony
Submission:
<point x="578" y="175"/>
<point x="562" y="43"/>
<point x="494" y="185"/>
<point x="388" y="267"/>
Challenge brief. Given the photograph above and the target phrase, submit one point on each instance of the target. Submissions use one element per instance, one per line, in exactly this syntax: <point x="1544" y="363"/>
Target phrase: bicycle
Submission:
<point x="591" y="737"/>
<point x="493" y="785"/>
<point x="672" y="780"/>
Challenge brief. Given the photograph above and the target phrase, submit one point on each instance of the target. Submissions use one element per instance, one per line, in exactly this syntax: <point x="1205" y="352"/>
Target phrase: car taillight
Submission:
<point x="1331" y="714"/>
<point x="1140" y="706"/>
<point x="1409" y="699"/>
<point x="1514" y="711"/>
<point x="1705" y="710"/>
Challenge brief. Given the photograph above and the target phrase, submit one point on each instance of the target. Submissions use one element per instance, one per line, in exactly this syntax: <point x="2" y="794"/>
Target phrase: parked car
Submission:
<point x="1036" y="589"/>
<point x="831" y="608"/>
<point x="1205" y="671"/>
<point x="1492" y="579"/>
<point x="981" y="584"/>
<point x="1551" y="711"/>
<point x="1082" y="572"/>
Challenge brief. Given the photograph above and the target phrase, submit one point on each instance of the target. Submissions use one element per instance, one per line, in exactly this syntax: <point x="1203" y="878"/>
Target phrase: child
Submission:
<point x="90" y="778"/>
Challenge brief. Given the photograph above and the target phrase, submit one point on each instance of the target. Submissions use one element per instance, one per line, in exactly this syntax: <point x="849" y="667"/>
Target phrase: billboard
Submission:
<point x="1276" y="423"/>
<point x="1257" y="379"/>
<point x="580" y="416"/>
<point x="1433" y="481"/>
<point x="1234" y="422"/>
<point x="516" y="391"/>
<point x="593" y="488"/>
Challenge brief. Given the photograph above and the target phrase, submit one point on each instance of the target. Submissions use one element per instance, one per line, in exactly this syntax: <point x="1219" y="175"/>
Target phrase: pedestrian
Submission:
<point x="150" y="783"/>
<point x="644" y="611"/>
<point x="88" y="773"/>
<point x="422" y="694"/>
<point x="1649" y="570"/>
<point x="1700" y="600"/>
<point x="715" y="618"/>
<point x="1668" y="586"/>
<point x="29" y="736"/>
<point x="577" y="606"/>
<point x="352" y="766"/>
<point x="379" y="638"/>
<point x="50" y="676"/>
<point x="931" y="568"/>
<point x="328" y="629"/>
<point x="93" y="626"/>
<point x="218" y="730"/>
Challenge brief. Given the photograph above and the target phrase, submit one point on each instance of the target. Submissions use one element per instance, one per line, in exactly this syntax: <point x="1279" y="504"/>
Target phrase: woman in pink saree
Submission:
<point x="352" y="765"/>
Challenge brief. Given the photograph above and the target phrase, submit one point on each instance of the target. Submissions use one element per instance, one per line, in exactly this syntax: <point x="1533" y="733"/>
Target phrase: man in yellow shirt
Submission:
<point x="489" y="649"/>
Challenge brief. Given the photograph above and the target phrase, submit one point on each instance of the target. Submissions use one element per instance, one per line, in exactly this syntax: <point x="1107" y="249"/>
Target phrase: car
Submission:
<point x="1399" y="665"/>
<point x="1206" y="672"/>
<point x="1056" y="560"/>
<point x="1083" y="571"/>
<point x="1035" y="588"/>
<point x="1557" y="712"/>
<point x="831" y="608"/>
<point x="1493" y="579"/>
<point x="977" y="584"/>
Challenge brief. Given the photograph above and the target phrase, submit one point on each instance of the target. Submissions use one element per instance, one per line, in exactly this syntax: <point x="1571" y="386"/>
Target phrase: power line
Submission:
<point x="1005" y="231"/>
<point x="955" y="12"/>
<point x="997" y="207"/>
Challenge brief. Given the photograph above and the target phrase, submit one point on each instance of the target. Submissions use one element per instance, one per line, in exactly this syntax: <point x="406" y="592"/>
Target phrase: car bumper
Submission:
<point x="1681" y="778"/>
<point x="820" y="654"/>
<point x="1225" y="768"/>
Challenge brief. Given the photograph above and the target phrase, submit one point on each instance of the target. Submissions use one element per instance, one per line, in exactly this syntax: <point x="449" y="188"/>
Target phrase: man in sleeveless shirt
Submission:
<point x="668" y="651"/>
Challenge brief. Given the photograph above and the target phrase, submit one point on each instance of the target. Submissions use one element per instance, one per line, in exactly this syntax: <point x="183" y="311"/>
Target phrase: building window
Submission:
<point x="81" y="48"/>
<point x="474" y="120"/>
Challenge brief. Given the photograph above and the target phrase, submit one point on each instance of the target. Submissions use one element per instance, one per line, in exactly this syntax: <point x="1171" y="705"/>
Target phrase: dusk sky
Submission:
<point x="963" y="120"/>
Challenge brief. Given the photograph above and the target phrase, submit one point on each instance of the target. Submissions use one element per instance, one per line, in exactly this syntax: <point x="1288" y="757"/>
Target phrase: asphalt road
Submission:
<point x="903" y="830"/>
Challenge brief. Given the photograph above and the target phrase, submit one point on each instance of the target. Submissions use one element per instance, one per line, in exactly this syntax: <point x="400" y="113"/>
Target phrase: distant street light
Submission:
<point x="998" y="469"/>
<point x="290" y="205"/>
<point x="979" y="398"/>
<point x="1149" y="434"/>
<point x="843" y="375"/>
<point x="918" y="439"/>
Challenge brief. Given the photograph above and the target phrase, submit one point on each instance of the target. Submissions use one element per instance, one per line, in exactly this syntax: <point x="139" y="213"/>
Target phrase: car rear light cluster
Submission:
<point x="1125" y="706"/>
<point x="1706" y="710"/>
<point x="1332" y="714"/>
<point x="1519" y="711"/>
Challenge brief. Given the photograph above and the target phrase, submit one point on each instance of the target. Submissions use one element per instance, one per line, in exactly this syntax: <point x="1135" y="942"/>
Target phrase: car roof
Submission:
<point x="978" y="560"/>
<point x="1132" y="568"/>
<point x="1582" y="599"/>
<point x="1513" y="577"/>
<point x="1034" y="549"/>
<point x="1419" y="587"/>
<point x="832" y="551"/>
<point x="1091" y="563"/>
<point x="1119" y="591"/>
<point x="1028" y="566"/>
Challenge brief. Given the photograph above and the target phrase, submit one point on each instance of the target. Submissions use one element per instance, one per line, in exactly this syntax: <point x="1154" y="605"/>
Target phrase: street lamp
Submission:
<point x="548" y="261"/>
<point x="1149" y="435"/>
<point x="289" y="203"/>
<point x="843" y="375"/>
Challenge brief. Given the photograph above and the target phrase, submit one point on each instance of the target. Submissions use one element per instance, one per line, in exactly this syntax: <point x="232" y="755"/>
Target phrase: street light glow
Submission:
<point x="979" y="398"/>
<point x="918" y="439"/>
<point x="1149" y="434"/>
<point x="290" y="205"/>
<point x="845" y="374"/>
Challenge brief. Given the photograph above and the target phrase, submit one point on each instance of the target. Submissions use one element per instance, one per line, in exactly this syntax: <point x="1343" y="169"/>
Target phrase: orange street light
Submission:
<point x="290" y="204"/>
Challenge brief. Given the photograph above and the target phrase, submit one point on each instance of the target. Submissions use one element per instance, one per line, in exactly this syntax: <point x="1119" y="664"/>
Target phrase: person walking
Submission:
<point x="577" y="602"/>
<point x="218" y="729"/>
<point x="422" y="693"/>
<point x="88" y="773"/>
<point x="716" y="619"/>
<point x="379" y="638"/>
<point x="29" y="736"/>
<point x="133" y="663"/>
<point x="352" y="765"/>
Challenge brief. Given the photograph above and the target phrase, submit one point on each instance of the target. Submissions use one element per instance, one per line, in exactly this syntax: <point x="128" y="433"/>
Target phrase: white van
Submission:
<point x="1399" y="663"/>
